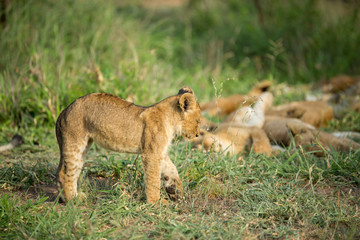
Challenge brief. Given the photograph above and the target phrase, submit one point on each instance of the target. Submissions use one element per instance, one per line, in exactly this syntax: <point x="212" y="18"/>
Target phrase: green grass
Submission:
<point x="50" y="51"/>
<point x="287" y="197"/>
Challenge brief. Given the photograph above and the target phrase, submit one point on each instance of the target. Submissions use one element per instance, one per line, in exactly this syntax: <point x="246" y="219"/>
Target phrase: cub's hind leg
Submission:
<point x="72" y="153"/>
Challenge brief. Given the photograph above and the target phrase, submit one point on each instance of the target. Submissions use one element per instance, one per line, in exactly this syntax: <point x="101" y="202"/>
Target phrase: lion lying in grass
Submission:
<point x="121" y="126"/>
<point x="241" y="130"/>
<point x="251" y="116"/>
<point x="316" y="113"/>
<point x="224" y="106"/>
<point x="282" y="130"/>
<point x="339" y="83"/>
<point x="234" y="140"/>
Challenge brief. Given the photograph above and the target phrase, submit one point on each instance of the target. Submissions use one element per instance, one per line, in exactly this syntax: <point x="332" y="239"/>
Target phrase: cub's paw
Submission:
<point x="163" y="202"/>
<point x="76" y="197"/>
<point x="173" y="187"/>
<point x="159" y="202"/>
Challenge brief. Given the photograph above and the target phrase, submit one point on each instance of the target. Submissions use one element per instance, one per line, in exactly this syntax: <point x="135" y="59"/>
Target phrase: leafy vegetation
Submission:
<point x="55" y="51"/>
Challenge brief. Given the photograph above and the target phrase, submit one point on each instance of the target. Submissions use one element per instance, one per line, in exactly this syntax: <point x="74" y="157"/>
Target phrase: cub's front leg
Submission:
<point x="170" y="175"/>
<point x="152" y="177"/>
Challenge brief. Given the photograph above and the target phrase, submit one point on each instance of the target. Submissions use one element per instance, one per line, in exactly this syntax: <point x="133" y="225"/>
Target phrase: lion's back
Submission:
<point x="100" y="112"/>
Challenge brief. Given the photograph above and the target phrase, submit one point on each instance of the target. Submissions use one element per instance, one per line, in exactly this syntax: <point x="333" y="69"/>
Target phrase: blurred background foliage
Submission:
<point x="52" y="51"/>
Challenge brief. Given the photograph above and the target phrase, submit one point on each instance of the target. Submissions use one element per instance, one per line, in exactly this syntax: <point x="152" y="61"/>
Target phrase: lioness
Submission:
<point x="223" y="106"/>
<point x="118" y="125"/>
<point x="250" y="116"/>
<point x="316" y="113"/>
<point x="281" y="130"/>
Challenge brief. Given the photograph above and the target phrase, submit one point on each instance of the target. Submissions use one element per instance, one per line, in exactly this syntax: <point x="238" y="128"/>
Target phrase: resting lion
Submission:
<point x="316" y="113"/>
<point x="225" y="105"/>
<point x="234" y="140"/>
<point x="241" y="130"/>
<point x="251" y="116"/>
<point x="281" y="130"/>
<point x="339" y="83"/>
<point x="121" y="126"/>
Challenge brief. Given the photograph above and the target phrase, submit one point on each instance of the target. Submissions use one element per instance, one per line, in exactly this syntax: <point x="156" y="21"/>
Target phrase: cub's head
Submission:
<point x="190" y="113"/>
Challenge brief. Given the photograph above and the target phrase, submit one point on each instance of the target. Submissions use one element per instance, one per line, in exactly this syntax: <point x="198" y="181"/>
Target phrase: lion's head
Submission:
<point x="190" y="113"/>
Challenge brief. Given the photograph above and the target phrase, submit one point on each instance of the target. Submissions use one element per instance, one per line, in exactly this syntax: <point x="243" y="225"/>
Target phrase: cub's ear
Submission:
<point x="264" y="86"/>
<point x="187" y="101"/>
<point x="260" y="88"/>
<point x="185" y="90"/>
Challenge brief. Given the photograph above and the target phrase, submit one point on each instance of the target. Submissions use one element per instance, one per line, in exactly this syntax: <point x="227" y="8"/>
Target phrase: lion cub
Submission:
<point x="234" y="140"/>
<point x="118" y="125"/>
<point x="281" y="130"/>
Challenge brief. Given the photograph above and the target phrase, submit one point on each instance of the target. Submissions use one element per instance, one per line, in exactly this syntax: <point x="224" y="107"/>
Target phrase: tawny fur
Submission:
<point x="251" y="116"/>
<point x="225" y="105"/>
<point x="241" y="130"/>
<point x="234" y="140"/>
<point x="277" y="130"/>
<point x="282" y="130"/>
<point x="208" y="125"/>
<point x="121" y="126"/>
<point x="338" y="83"/>
<point x="356" y="106"/>
<point x="316" y="113"/>
<point x="342" y="92"/>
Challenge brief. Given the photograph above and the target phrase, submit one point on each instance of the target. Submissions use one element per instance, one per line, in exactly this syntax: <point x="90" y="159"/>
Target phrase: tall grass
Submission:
<point x="53" y="52"/>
